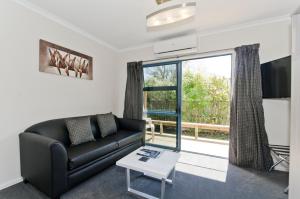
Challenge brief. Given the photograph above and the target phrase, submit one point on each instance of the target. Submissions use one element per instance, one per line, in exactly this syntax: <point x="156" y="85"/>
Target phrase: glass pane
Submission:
<point x="206" y="98"/>
<point x="160" y="101"/>
<point x="161" y="130"/>
<point x="164" y="75"/>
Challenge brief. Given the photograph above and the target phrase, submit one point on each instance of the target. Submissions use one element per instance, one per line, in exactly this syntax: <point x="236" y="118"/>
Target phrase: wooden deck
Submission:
<point x="196" y="126"/>
<point x="186" y="125"/>
<point x="188" y="143"/>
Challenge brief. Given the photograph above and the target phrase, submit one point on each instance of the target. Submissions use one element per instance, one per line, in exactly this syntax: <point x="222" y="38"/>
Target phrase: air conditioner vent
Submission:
<point x="177" y="46"/>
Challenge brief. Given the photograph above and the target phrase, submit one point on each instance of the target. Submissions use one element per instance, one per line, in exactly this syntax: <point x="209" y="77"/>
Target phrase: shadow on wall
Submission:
<point x="297" y="11"/>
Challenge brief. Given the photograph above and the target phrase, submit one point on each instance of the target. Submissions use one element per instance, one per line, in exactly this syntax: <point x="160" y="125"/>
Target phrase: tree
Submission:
<point x="160" y="76"/>
<point x="204" y="99"/>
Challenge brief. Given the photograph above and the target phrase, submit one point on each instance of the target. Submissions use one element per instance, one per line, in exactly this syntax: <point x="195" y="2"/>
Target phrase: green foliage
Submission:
<point x="204" y="99"/>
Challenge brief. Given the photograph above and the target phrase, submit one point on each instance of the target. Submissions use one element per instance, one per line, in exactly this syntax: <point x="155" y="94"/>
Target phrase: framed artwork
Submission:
<point x="59" y="60"/>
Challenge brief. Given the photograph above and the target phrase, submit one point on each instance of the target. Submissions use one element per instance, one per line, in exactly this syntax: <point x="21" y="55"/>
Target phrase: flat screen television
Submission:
<point x="276" y="78"/>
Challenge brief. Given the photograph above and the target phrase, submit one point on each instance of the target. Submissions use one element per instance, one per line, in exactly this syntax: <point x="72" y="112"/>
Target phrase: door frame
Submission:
<point x="213" y="55"/>
<point x="178" y="90"/>
<point x="178" y="63"/>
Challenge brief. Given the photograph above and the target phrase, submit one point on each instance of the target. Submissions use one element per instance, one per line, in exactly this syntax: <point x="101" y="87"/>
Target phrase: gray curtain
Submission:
<point x="248" y="137"/>
<point x="133" y="106"/>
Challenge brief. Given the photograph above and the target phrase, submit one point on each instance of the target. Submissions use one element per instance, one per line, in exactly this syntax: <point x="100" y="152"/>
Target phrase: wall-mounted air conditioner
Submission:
<point x="176" y="46"/>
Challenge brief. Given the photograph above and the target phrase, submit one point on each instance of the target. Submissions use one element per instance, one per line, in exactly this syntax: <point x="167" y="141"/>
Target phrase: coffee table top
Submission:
<point x="159" y="167"/>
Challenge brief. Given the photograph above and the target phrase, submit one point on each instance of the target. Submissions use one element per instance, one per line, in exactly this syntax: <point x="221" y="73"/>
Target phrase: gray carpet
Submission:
<point x="110" y="184"/>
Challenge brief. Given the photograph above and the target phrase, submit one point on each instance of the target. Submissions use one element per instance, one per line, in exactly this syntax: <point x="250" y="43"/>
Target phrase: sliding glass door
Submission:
<point x="162" y="102"/>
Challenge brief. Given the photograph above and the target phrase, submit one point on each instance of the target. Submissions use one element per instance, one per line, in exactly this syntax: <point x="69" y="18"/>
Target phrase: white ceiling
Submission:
<point x="121" y="23"/>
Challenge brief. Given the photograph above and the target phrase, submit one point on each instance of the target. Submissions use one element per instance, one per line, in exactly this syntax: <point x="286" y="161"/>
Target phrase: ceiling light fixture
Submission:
<point x="171" y="14"/>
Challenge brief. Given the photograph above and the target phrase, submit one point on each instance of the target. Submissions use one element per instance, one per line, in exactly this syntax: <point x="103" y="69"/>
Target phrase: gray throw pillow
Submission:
<point x="107" y="124"/>
<point x="80" y="130"/>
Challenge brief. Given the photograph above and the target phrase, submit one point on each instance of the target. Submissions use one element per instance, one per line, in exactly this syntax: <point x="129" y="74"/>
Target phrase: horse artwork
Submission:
<point x="58" y="60"/>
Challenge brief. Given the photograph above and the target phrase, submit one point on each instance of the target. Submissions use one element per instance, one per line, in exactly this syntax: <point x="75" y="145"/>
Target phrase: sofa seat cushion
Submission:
<point x="84" y="153"/>
<point x="125" y="137"/>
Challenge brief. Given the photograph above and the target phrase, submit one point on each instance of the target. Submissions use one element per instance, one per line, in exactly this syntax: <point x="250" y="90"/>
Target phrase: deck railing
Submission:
<point x="195" y="126"/>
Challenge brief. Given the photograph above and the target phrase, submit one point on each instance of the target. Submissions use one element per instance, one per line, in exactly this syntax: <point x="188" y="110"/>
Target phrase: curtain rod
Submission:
<point x="203" y="55"/>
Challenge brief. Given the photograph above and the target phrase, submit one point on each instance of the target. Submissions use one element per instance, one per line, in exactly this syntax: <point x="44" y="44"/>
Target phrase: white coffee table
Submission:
<point x="159" y="168"/>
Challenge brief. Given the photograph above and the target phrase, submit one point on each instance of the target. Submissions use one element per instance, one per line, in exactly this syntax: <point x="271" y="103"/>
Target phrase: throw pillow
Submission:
<point x="107" y="124"/>
<point x="80" y="130"/>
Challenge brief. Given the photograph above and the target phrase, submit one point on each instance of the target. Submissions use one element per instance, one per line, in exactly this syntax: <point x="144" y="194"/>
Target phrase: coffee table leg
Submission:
<point x="163" y="188"/>
<point x="171" y="181"/>
<point x="128" y="179"/>
<point x="139" y="193"/>
<point x="173" y="177"/>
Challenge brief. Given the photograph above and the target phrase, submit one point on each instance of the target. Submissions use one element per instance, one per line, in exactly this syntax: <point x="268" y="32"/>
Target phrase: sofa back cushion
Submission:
<point x="95" y="127"/>
<point x="56" y="129"/>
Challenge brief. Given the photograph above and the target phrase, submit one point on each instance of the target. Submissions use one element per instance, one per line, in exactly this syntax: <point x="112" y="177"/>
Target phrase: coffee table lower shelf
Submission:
<point x="145" y="195"/>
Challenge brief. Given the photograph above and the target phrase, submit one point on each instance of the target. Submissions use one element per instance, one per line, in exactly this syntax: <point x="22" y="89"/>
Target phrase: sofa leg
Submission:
<point x="25" y="181"/>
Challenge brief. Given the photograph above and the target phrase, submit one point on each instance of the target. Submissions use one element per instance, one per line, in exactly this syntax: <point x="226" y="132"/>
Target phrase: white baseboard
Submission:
<point x="10" y="183"/>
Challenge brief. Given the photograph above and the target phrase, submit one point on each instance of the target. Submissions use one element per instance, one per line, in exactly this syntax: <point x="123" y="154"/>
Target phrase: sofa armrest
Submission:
<point x="133" y="125"/>
<point x="44" y="163"/>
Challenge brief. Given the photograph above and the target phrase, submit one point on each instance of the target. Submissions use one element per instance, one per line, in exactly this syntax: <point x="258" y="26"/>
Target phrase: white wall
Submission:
<point x="277" y="122"/>
<point x="28" y="96"/>
<point x="275" y="40"/>
<point x="295" y="113"/>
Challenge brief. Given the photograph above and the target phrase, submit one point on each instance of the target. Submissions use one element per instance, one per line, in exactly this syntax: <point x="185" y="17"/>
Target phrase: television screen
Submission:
<point x="276" y="78"/>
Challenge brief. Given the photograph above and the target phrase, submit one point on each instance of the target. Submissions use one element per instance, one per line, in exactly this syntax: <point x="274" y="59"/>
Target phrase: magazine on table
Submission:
<point x="149" y="153"/>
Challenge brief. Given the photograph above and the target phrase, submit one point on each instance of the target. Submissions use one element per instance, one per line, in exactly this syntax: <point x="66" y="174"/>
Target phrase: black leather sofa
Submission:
<point x="53" y="166"/>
